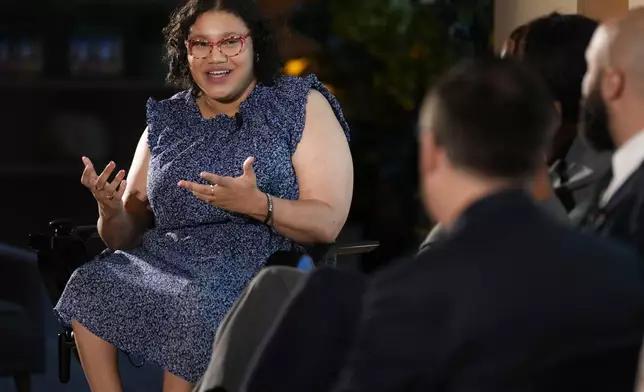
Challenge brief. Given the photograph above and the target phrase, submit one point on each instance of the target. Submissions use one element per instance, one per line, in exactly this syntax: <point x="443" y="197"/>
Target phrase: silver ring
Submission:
<point x="109" y="197"/>
<point x="212" y="190"/>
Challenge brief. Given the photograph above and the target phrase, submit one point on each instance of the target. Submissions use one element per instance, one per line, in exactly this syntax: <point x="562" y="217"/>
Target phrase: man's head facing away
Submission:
<point x="485" y="125"/>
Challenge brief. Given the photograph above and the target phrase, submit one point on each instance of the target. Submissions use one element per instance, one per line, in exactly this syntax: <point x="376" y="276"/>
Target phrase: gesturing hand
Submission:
<point x="235" y="194"/>
<point x="108" y="194"/>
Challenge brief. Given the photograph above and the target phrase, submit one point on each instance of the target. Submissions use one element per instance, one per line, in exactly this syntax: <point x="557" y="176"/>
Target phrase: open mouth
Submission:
<point x="218" y="74"/>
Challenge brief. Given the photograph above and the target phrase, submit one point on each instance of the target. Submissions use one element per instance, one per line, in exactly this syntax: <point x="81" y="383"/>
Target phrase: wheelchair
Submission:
<point x="65" y="246"/>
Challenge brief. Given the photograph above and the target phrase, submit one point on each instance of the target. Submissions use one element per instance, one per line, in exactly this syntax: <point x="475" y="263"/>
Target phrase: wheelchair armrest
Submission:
<point x="357" y="248"/>
<point x="59" y="229"/>
<point x="321" y="252"/>
<point x="62" y="226"/>
<point x="86" y="232"/>
<point x="61" y="249"/>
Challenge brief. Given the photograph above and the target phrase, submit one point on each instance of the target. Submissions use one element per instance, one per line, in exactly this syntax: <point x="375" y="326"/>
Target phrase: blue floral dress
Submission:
<point x="164" y="300"/>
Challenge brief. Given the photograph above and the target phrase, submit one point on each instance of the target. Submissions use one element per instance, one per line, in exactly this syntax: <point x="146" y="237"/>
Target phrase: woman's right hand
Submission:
<point x="109" y="195"/>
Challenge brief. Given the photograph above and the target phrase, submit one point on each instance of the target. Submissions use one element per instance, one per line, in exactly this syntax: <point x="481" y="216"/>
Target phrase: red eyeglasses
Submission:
<point x="229" y="46"/>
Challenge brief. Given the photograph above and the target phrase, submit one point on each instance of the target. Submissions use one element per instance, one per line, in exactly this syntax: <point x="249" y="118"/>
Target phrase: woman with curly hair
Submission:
<point x="243" y="163"/>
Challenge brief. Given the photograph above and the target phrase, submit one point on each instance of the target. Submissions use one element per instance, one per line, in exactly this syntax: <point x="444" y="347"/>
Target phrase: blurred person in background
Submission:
<point x="613" y="122"/>
<point x="243" y="163"/>
<point x="511" y="300"/>
<point x="554" y="46"/>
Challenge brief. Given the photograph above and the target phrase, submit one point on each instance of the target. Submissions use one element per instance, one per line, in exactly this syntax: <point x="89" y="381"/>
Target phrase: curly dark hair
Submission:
<point x="516" y="41"/>
<point x="555" y="46"/>
<point x="267" y="65"/>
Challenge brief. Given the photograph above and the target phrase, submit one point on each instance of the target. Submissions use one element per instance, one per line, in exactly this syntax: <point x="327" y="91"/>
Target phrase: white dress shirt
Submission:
<point x="625" y="160"/>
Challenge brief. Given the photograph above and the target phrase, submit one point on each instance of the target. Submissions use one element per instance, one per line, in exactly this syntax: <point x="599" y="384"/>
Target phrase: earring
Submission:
<point x="257" y="57"/>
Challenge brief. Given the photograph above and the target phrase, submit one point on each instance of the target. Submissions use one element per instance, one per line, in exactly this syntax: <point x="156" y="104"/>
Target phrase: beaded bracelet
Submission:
<point x="269" y="215"/>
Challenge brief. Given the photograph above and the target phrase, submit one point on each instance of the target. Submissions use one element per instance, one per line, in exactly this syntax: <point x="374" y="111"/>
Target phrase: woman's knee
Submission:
<point x="84" y="334"/>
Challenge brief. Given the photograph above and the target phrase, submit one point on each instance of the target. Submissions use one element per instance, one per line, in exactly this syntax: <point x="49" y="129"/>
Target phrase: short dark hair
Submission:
<point x="268" y="63"/>
<point x="555" y="46"/>
<point x="494" y="117"/>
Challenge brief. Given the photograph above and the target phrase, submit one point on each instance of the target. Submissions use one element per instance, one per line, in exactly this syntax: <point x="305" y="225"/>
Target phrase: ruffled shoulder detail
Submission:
<point x="287" y="105"/>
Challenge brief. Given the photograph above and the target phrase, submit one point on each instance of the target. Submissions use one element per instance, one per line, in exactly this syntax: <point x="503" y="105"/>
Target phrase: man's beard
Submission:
<point x="594" y="125"/>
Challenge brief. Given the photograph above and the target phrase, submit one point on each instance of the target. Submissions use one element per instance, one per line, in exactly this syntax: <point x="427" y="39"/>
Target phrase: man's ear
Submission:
<point x="612" y="84"/>
<point x="428" y="152"/>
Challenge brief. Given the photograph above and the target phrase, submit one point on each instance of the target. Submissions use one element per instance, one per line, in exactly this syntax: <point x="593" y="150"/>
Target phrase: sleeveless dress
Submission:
<point x="164" y="300"/>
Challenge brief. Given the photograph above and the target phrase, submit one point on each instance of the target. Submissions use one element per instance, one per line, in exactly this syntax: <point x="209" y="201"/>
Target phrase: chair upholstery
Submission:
<point x="247" y="323"/>
<point x="22" y="340"/>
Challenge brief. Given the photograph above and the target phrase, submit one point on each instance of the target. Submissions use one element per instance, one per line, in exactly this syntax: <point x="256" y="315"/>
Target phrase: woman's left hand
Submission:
<point x="234" y="194"/>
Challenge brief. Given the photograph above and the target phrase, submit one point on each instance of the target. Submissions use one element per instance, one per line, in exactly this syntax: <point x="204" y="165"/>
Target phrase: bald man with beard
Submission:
<point x="612" y="119"/>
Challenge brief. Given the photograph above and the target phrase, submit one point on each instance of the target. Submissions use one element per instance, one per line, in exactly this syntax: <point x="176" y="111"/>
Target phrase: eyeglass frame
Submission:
<point x="241" y="38"/>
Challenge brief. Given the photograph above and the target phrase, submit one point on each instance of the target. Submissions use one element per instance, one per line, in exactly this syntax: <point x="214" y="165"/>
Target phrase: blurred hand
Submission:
<point x="109" y="195"/>
<point x="234" y="194"/>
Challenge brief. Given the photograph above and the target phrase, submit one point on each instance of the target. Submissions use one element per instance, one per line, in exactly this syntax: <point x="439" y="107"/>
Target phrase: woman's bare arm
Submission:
<point x="324" y="168"/>
<point x="124" y="230"/>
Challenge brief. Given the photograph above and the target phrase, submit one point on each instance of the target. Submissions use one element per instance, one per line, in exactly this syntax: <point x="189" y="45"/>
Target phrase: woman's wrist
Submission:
<point x="259" y="208"/>
<point x="107" y="214"/>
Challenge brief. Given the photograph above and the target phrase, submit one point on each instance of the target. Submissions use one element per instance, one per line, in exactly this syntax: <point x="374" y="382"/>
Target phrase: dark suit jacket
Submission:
<point x="622" y="219"/>
<point x="306" y="348"/>
<point x="551" y="205"/>
<point x="511" y="301"/>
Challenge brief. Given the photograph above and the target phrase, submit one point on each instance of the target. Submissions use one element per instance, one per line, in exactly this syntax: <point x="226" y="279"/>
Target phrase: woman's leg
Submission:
<point x="99" y="360"/>
<point x="172" y="383"/>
